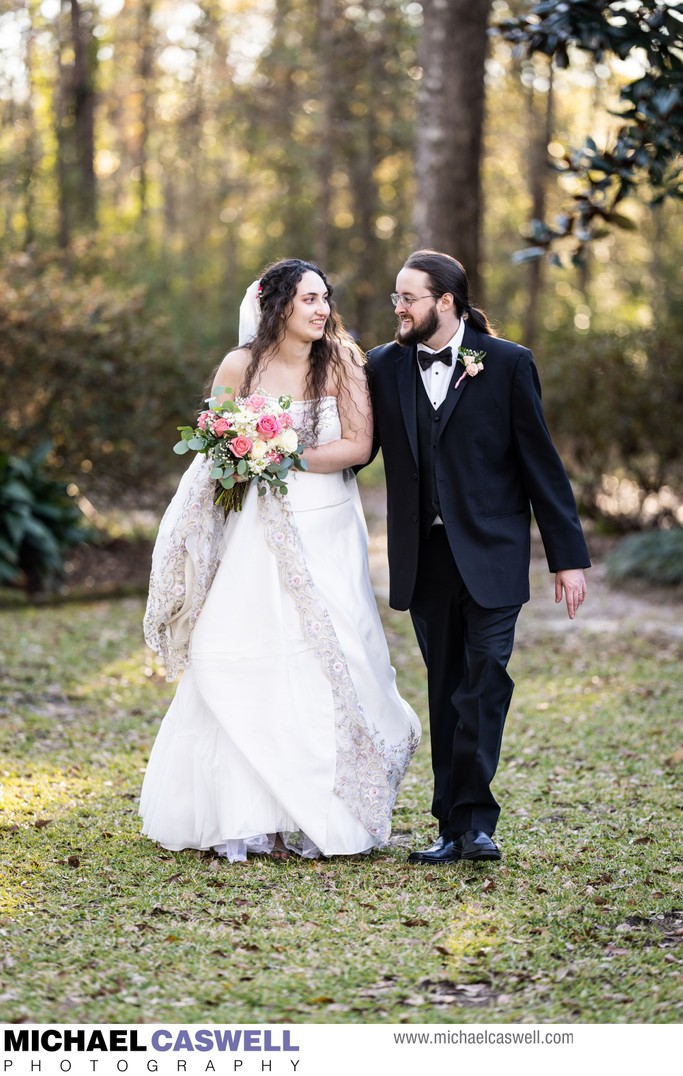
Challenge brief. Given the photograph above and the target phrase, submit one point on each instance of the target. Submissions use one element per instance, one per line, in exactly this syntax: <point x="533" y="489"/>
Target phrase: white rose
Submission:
<point x="258" y="450"/>
<point x="287" y="441"/>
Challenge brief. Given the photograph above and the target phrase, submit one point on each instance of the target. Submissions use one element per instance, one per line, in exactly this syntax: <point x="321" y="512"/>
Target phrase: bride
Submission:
<point x="287" y="730"/>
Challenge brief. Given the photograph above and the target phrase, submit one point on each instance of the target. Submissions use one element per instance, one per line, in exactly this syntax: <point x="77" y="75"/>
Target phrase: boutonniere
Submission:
<point x="473" y="361"/>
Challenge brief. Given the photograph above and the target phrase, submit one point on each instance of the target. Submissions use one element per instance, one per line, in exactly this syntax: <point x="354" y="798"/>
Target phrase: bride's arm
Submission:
<point x="355" y="413"/>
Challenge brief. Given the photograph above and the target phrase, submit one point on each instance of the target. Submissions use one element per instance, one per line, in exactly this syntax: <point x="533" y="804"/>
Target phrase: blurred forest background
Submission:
<point x="156" y="154"/>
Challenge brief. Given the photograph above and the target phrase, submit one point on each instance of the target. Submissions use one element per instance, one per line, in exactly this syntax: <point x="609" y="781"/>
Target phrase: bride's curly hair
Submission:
<point x="278" y="286"/>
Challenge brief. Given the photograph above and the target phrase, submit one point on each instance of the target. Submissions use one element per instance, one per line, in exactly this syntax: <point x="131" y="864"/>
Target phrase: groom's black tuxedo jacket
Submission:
<point x="494" y="462"/>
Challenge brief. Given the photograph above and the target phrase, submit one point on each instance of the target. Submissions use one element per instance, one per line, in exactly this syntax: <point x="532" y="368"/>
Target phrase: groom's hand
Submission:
<point x="571" y="581"/>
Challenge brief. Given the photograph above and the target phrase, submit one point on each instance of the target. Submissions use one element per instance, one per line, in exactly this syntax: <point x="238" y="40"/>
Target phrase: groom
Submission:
<point x="467" y="456"/>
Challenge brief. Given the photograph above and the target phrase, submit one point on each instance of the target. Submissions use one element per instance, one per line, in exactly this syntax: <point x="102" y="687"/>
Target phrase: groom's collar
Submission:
<point x="454" y="342"/>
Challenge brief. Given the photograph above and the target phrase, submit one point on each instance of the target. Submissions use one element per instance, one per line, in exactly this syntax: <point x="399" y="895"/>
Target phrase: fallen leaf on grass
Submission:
<point x="487" y="885"/>
<point x="73" y="861"/>
<point x="40" y="823"/>
<point x="158" y="910"/>
<point x="415" y="922"/>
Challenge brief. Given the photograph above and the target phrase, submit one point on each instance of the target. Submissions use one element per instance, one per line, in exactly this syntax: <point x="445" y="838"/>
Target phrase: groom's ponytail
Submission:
<point x="446" y="274"/>
<point x="478" y="319"/>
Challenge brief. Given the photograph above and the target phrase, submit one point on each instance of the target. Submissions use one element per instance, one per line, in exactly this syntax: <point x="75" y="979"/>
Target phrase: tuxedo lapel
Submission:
<point x="470" y="340"/>
<point x="406" y="373"/>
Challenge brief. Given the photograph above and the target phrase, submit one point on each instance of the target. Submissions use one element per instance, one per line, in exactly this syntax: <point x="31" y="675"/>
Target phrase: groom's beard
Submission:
<point x="419" y="334"/>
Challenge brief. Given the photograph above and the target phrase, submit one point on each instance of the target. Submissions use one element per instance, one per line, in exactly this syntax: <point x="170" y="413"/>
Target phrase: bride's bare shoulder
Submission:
<point x="230" y="373"/>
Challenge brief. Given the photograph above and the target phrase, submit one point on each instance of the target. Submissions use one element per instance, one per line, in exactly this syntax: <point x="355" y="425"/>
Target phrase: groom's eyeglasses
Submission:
<point x="407" y="300"/>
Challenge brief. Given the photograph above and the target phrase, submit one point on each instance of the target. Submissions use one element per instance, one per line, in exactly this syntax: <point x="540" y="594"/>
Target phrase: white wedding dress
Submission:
<point x="287" y="720"/>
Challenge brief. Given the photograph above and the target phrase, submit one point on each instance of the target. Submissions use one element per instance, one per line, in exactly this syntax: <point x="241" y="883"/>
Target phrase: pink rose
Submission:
<point x="240" y="445"/>
<point x="221" y="426"/>
<point x="268" y="426"/>
<point x="204" y="420"/>
<point x="472" y="369"/>
<point x="286" y="420"/>
<point x="255" y="402"/>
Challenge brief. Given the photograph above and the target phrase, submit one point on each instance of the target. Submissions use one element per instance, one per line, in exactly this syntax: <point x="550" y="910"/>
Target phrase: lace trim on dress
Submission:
<point x="366" y="779"/>
<point x="262" y="844"/>
<point x="184" y="563"/>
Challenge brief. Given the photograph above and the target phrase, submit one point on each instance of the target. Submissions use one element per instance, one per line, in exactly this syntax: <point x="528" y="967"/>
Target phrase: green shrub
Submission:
<point x="38" y="523"/>
<point x="654" y="557"/>
<point x="83" y="364"/>
<point x="613" y="405"/>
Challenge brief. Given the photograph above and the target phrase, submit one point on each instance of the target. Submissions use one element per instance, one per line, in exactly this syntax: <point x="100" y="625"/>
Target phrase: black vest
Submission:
<point x="428" y="427"/>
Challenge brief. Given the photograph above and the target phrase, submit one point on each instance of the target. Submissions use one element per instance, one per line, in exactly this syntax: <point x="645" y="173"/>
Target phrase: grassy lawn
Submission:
<point x="582" y="921"/>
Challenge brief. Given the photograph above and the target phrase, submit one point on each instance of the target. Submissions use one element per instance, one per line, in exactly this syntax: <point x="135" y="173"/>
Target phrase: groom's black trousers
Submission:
<point x="466" y="650"/>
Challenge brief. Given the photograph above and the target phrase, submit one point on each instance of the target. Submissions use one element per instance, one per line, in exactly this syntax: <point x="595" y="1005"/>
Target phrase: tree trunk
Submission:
<point x="75" y="120"/>
<point x="540" y="129"/>
<point x="83" y="104"/>
<point x="146" y="39"/>
<point x="449" y="130"/>
<point x="31" y="151"/>
<point x="322" y="240"/>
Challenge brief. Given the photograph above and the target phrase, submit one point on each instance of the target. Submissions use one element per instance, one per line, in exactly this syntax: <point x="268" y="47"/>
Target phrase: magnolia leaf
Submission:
<point x="529" y="254"/>
<point x="623" y="222"/>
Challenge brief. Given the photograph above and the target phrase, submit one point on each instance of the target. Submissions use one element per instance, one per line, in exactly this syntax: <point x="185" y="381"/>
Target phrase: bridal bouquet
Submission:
<point x="250" y="438"/>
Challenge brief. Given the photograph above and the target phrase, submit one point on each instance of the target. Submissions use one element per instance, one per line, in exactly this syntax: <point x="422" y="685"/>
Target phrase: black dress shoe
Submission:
<point x="475" y="844"/>
<point x="442" y="851"/>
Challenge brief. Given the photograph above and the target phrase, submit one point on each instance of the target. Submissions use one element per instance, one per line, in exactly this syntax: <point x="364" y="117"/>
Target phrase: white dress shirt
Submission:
<point x="437" y="377"/>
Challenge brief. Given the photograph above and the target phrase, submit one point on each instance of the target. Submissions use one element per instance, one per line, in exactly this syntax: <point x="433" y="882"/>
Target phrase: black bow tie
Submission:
<point x="426" y="358"/>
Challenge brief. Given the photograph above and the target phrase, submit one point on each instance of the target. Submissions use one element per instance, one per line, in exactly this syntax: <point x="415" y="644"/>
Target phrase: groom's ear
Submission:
<point x="446" y="302"/>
